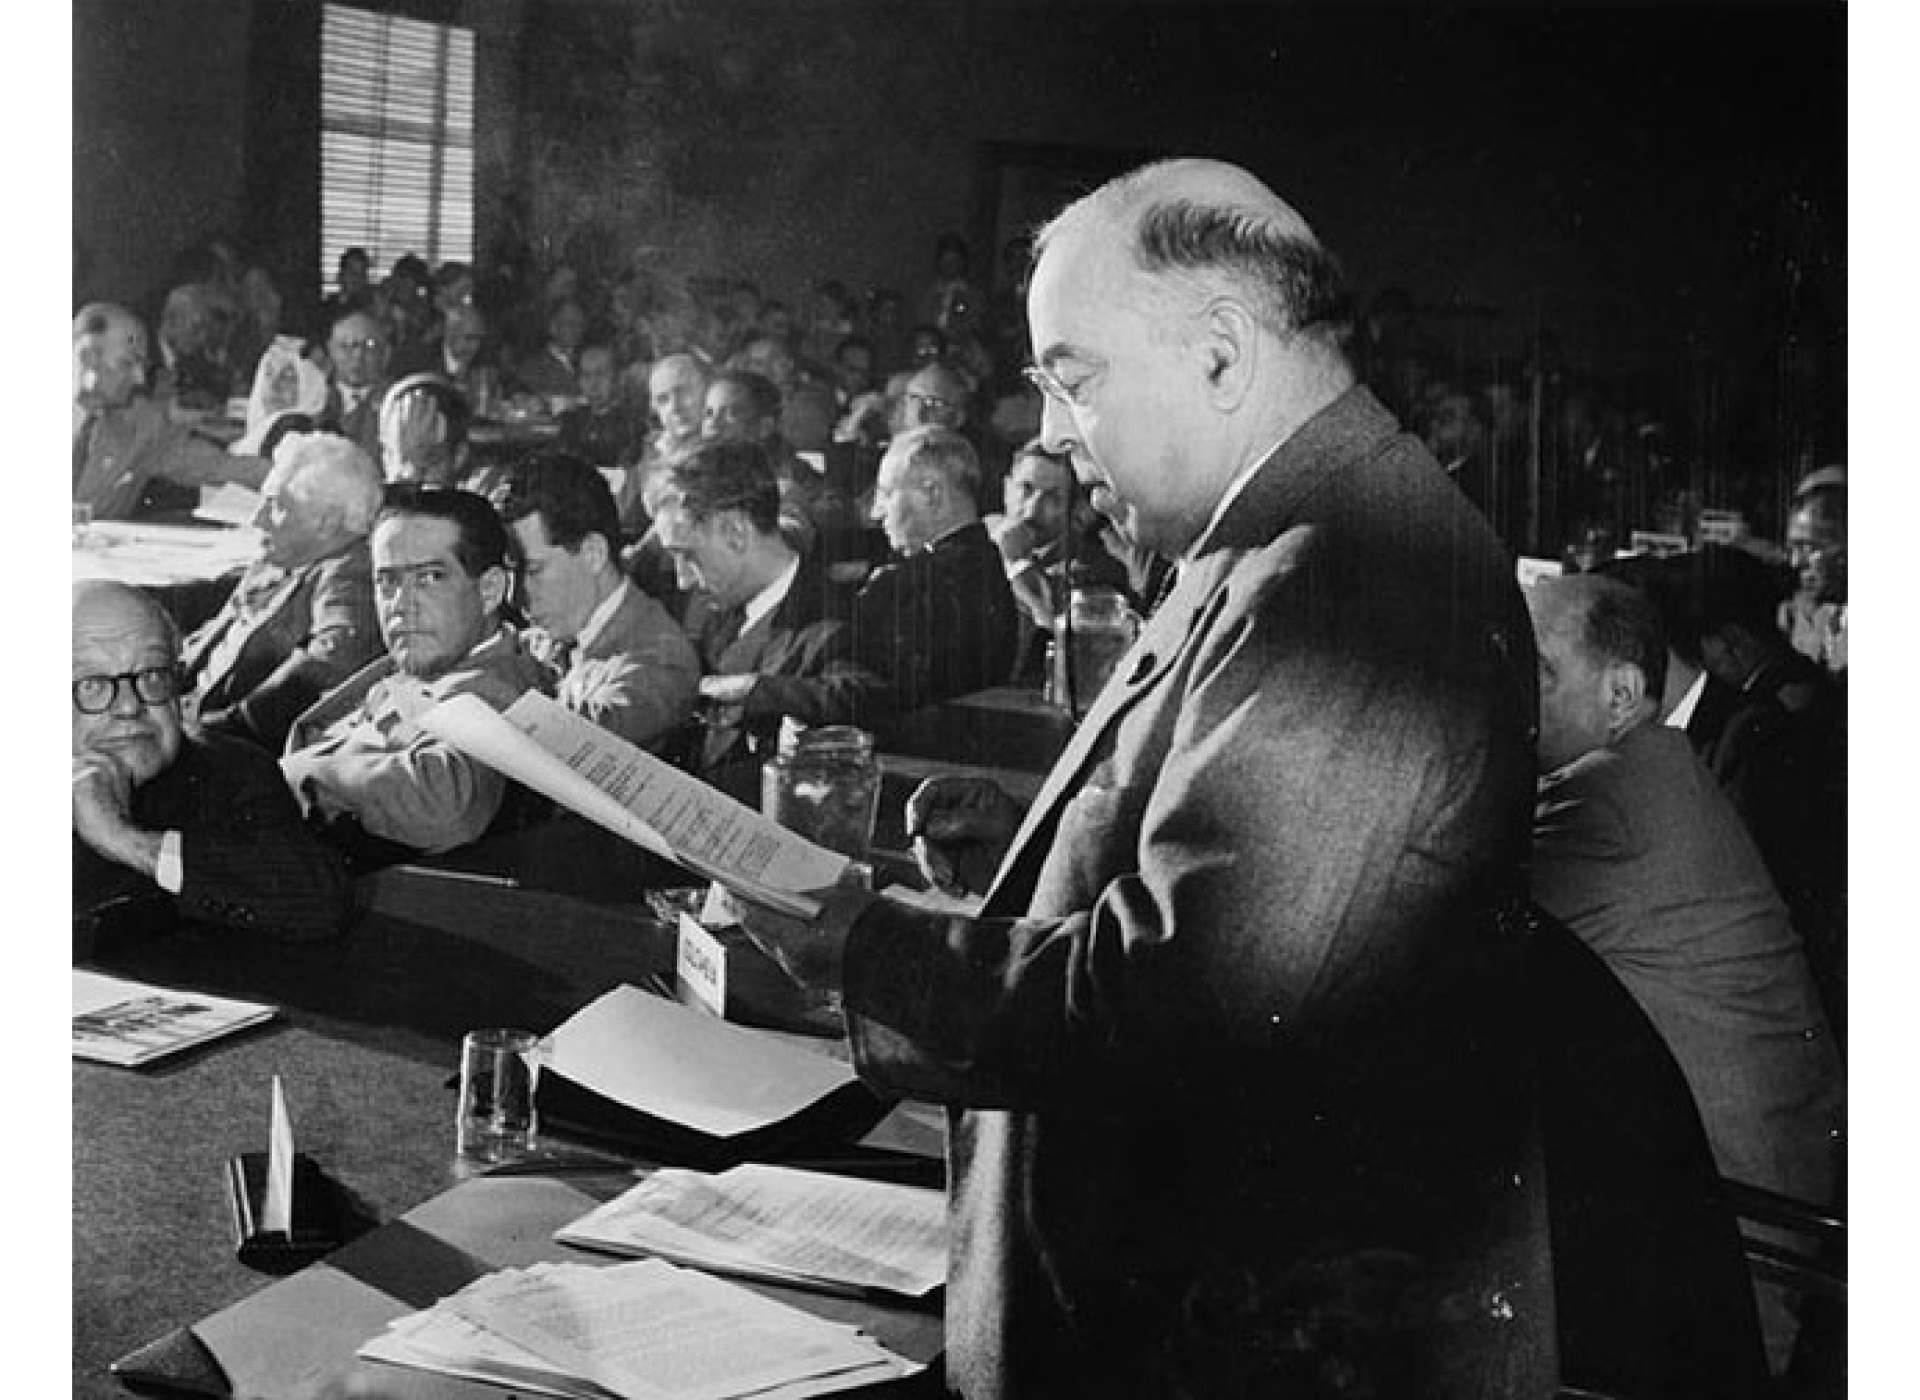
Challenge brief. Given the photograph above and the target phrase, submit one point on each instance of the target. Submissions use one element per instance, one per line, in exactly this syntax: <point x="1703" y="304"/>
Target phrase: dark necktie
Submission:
<point x="83" y="447"/>
<point x="724" y="632"/>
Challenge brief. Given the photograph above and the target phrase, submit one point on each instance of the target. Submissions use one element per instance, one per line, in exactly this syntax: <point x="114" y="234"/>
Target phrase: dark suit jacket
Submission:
<point x="129" y="447"/>
<point x="247" y="859"/>
<point x="939" y="622"/>
<point x="1639" y="853"/>
<point x="314" y="628"/>
<point x="1235" y="1047"/>
<point x="803" y="657"/>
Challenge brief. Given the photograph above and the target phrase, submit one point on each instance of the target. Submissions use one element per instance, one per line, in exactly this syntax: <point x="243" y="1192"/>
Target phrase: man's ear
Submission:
<point x="495" y="583"/>
<point x="595" y="550"/>
<point x="1625" y="692"/>
<point x="1228" y="339"/>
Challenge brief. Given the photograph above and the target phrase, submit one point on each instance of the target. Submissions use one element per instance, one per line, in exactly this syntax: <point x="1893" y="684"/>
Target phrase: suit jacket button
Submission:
<point x="1141" y="669"/>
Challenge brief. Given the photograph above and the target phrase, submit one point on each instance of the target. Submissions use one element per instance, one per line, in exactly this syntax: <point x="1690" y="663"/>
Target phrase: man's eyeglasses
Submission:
<point x="1072" y="395"/>
<point x="367" y="343"/>
<point x="155" y="685"/>
<point x="933" y="403"/>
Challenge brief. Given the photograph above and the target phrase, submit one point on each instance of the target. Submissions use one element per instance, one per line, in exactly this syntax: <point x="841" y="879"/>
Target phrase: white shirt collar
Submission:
<point x="768" y="598"/>
<point x="598" y="619"/>
<point x="1683" y="710"/>
<point x="1229" y="496"/>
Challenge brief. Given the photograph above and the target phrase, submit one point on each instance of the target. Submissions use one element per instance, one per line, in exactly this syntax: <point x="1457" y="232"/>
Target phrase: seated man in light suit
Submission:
<point x="619" y="658"/>
<point x="170" y="825"/>
<point x="1638" y="851"/>
<point x="301" y="619"/>
<point x="362" y="768"/>
<point x="122" y="440"/>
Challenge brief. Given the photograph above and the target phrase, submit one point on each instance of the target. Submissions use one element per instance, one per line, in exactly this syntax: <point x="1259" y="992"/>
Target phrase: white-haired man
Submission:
<point x="124" y="440"/>
<point x="301" y="620"/>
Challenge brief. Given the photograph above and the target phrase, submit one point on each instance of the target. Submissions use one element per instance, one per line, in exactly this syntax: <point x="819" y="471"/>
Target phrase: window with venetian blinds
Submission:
<point x="396" y="139"/>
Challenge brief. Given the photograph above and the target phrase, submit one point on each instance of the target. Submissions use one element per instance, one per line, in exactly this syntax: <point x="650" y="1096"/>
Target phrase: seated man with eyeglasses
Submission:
<point x="169" y="825"/>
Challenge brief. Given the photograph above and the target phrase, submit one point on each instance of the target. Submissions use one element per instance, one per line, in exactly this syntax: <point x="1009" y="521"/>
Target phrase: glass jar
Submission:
<point x="1096" y="630"/>
<point x="824" y="783"/>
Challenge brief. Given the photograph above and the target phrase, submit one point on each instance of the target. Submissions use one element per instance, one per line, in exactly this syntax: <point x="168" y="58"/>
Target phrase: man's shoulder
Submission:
<point x="499" y="670"/>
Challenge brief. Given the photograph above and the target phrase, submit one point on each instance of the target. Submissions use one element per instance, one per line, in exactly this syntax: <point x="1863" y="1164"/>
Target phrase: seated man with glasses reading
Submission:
<point x="170" y="825"/>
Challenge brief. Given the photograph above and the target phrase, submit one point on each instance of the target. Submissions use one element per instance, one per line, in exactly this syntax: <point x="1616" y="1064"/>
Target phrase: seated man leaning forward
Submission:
<point x="360" y="765"/>
<point x="124" y="440"/>
<point x="618" y="657"/>
<point x="301" y="619"/>
<point x="169" y="823"/>
<point x="1638" y="851"/>
<point x="758" y="618"/>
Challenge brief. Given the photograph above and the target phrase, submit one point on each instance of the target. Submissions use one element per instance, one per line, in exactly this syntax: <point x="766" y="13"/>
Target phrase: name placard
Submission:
<point x="700" y="968"/>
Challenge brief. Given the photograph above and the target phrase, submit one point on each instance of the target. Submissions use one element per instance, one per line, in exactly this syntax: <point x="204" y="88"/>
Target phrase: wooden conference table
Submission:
<point x="521" y="930"/>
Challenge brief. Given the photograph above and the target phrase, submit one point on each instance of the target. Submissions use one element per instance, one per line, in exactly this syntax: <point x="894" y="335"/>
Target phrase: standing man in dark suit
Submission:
<point x="173" y="825"/>
<point x="769" y="647"/>
<point x="1231" y="1048"/>
<point x="1639" y="853"/>
<point x="618" y="657"/>
<point x="939" y="619"/>
<point x="301" y="619"/>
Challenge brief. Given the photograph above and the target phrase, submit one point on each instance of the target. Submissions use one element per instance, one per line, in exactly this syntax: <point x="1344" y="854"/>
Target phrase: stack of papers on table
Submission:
<point x="130" y="1023"/>
<point x="643" y="1331"/>
<point x="809" y="1229"/>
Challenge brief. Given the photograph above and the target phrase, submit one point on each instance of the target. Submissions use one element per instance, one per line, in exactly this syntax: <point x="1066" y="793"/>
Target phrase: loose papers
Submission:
<point x="674" y="1063"/>
<point x="810" y="1229"/>
<point x="130" y="1023"/>
<point x="539" y="742"/>
<point x="641" y="1331"/>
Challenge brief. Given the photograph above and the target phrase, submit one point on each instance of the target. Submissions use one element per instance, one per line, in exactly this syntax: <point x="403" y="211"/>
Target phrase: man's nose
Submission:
<point x="126" y="704"/>
<point x="1056" y="426"/>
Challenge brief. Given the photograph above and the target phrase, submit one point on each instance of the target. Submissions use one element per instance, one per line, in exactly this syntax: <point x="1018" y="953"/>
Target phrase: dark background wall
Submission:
<point x="1652" y="185"/>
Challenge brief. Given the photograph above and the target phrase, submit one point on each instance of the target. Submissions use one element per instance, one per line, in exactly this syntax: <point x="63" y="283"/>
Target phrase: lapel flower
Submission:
<point x="595" y="685"/>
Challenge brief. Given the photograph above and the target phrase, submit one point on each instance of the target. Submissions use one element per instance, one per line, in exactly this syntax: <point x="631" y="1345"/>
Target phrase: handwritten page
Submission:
<point x="780" y="1223"/>
<point x="544" y="745"/>
<point x="687" y="1067"/>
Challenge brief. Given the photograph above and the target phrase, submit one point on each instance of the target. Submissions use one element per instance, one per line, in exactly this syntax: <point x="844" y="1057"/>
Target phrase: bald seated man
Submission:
<point x="301" y="620"/>
<point x="123" y="440"/>
<point x="169" y="825"/>
<point x="1232" y="1043"/>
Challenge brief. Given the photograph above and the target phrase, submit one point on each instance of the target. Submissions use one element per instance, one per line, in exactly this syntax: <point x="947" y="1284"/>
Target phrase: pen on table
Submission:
<point x="470" y="877"/>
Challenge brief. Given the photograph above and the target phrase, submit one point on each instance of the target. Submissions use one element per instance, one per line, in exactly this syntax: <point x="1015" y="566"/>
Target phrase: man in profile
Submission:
<point x="617" y="657"/>
<point x="1231" y="1048"/>
<point x="768" y="646"/>
<point x="170" y="825"/>
<point x="937" y="620"/>
<point x="301" y="619"/>
<point x="362" y="767"/>
<point x="123" y="440"/>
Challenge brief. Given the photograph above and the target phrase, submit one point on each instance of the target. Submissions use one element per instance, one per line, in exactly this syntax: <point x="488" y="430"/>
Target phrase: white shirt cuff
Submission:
<point x="169" y="874"/>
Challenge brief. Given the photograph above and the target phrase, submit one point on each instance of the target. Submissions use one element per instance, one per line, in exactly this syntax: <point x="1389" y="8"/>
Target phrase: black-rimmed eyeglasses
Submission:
<point x="155" y="685"/>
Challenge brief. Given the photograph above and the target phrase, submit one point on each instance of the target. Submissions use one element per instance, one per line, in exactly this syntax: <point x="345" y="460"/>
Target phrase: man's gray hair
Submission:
<point x="944" y="451"/>
<point x="1293" y="284"/>
<point x="327" y="469"/>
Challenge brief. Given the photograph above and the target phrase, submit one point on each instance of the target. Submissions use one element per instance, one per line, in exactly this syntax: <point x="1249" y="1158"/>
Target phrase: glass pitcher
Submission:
<point x="1089" y="639"/>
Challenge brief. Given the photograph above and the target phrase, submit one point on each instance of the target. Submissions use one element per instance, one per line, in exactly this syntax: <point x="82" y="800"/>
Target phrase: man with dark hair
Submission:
<point x="122" y="440"/>
<point x="1638" y="852"/>
<point x="301" y="619"/>
<point x="1234" y="1038"/>
<point x="553" y="371"/>
<point x="170" y="824"/>
<point x="938" y="620"/>
<point x="743" y="406"/>
<point x="617" y="657"/>
<point x="768" y="647"/>
<point x="603" y="429"/>
<point x="363" y="769"/>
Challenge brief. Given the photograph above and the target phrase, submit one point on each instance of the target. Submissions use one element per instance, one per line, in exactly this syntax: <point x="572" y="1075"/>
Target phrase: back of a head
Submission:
<point x="328" y="469"/>
<point x="1720" y="587"/>
<point x="1617" y="623"/>
<point x="728" y="476"/>
<point x="946" y="454"/>
<point x="1206" y="224"/>
<point x="569" y="495"/>
<point x="762" y="394"/>
<point x="481" y="542"/>
<point x="446" y="397"/>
